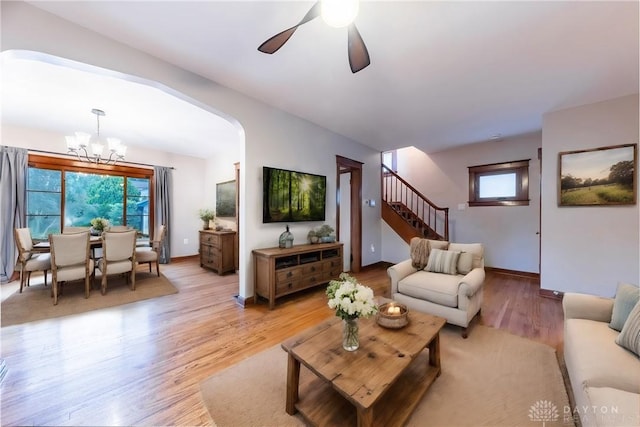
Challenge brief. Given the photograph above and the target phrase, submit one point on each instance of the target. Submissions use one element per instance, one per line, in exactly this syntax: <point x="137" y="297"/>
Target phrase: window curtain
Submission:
<point x="13" y="193"/>
<point x="163" y="185"/>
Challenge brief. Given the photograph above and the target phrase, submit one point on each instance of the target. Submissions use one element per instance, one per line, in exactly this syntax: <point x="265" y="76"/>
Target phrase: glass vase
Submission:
<point x="350" y="337"/>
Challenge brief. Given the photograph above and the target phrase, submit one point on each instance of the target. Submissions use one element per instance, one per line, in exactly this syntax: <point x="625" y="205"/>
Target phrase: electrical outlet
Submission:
<point x="373" y="248"/>
<point x="186" y="241"/>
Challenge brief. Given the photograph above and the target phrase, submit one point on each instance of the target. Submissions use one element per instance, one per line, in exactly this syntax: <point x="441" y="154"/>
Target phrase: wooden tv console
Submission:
<point x="283" y="271"/>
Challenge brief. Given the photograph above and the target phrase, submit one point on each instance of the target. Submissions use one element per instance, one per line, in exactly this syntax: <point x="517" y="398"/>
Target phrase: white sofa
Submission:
<point x="604" y="377"/>
<point x="456" y="297"/>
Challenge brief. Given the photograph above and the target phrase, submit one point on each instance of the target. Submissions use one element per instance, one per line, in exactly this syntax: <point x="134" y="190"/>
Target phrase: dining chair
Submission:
<point x="151" y="254"/>
<point x="70" y="230"/>
<point x="119" y="228"/>
<point x="70" y="260"/>
<point x="118" y="256"/>
<point x="28" y="259"/>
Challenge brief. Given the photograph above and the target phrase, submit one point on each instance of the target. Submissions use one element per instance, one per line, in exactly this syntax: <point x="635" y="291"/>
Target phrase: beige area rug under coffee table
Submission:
<point x="493" y="378"/>
<point x="35" y="302"/>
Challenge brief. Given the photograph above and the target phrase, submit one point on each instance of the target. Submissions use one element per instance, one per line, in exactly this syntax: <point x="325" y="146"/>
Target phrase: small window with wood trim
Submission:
<point x="499" y="184"/>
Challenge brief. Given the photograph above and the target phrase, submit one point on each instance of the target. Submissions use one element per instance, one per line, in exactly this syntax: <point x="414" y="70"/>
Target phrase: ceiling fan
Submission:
<point x="345" y="13"/>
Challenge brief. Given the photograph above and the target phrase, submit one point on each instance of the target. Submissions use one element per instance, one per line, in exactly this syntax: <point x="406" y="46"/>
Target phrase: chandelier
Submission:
<point x="77" y="144"/>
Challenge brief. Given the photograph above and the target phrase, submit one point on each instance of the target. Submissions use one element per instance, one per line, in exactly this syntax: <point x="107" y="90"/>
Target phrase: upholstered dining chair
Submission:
<point x="151" y="254"/>
<point x="70" y="260"/>
<point x="70" y="230"/>
<point x="118" y="256"/>
<point x="30" y="261"/>
<point x="119" y="228"/>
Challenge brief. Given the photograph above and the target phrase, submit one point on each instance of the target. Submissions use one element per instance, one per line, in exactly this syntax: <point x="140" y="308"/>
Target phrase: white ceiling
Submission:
<point x="442" y="74"/>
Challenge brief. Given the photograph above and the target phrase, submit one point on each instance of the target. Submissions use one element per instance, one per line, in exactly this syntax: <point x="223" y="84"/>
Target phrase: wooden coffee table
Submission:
<point x="384" y="379"/>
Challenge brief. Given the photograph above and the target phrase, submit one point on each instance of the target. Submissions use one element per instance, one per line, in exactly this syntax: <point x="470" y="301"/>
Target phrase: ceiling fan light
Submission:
<point x="339" y="13"/>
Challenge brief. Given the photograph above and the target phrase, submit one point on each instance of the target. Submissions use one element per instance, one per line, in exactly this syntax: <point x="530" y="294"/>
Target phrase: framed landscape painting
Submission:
<point x="598" y="177"/>
<point x="226" y="199"/>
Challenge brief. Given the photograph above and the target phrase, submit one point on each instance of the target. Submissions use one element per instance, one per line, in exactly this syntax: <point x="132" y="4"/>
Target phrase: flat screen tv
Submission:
<point x="290" y="196"/>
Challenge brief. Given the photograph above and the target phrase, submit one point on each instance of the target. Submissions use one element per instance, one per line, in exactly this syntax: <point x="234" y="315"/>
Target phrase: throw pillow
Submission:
<point x="465" y="262"/>
<point x="629" y="338"/>
<point x="441" y="261"/>
<point x="626" y="298"/>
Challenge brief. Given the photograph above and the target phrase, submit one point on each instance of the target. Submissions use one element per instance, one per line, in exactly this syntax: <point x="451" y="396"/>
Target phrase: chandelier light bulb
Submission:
<point x="339" y="13"/>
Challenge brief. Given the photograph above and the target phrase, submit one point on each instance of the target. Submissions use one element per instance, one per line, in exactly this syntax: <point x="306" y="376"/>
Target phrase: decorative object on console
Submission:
<point x="322" y="234"/>
<point x="77" y="144"/>
<point x="312" y="237"/>
<point x="206" y="215"/>
<point x="393" y="315"/>
<point x="325" y="233"/>
<point x="350" y="300"/>
<point x="286" y="239"/>
<point x="597" y="177"/>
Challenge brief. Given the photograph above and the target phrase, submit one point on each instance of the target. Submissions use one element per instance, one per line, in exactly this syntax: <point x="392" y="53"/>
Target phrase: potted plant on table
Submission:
<point x="206" y="215"/>
<point x="98" y="225"/>
<point x="325" y="234"/>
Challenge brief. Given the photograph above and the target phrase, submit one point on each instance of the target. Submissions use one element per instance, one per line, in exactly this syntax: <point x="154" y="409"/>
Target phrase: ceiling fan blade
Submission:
<point x="276" y="42"/>
<point x="358" y="53"/>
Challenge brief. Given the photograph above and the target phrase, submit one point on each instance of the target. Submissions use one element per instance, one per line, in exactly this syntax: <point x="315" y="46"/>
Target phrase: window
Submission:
<point x="63" y="193"/>
<point x="499" y="184"/>
<point x="390" y="160"/>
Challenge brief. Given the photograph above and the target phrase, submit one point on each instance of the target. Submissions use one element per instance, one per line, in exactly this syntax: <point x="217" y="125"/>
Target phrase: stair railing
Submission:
<point x="400" y="195"/>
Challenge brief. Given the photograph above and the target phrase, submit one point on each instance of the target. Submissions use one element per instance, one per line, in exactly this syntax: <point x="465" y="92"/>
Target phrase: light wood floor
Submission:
<point x="140" y="364"/>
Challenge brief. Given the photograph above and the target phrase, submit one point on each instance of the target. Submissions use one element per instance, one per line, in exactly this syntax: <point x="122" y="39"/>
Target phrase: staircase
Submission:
<point x="409" y="212"/>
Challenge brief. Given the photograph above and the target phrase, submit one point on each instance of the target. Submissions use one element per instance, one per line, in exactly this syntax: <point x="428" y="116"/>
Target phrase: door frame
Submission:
<point x="346" y="165"/>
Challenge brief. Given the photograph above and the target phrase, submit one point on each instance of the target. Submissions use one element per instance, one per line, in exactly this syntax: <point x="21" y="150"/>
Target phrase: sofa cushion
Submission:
<point x="443" y="261"/>
<point x="626" y="298"/>
<point x="629" y="338"/>
<point x="475" y="248"/>
<point x="593" y="358"/>
<point x="435" y="287"/>
<point x="611" y="407"/>
<point x="438" y="244"/>
<point x="465" y="262"/>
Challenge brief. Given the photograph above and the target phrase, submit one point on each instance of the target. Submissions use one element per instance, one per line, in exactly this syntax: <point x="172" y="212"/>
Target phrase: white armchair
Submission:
<point x="151" y="254"/>
<point x="457" y="297"/>
<point x="70" y="260"/>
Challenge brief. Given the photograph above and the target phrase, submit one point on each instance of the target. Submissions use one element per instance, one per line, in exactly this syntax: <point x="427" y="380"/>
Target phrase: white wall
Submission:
<point x="588" y="249"/>
<point x="271" y="137"/>
<point x="507" y="232"/>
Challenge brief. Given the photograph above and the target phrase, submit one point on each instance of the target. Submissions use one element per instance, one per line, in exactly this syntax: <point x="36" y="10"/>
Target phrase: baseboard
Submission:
<point x="549" y="293"/>
<point x="184" y="258"/>
<point x="242" y="302"/>
<point x="376" y="266"/>
<point x="514" y="272"/>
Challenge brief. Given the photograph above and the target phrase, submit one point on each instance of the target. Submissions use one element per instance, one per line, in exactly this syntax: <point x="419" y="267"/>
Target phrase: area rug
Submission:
<point x="35" y="302"/>
<point x="492" y="378"/>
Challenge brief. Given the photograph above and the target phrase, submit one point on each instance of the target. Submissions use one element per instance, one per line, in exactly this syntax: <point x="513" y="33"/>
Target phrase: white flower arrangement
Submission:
<point x="350" y="299"/>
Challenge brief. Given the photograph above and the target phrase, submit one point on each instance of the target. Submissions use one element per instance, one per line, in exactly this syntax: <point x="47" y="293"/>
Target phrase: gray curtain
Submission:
<point x="13" y="194"/>
<point x="163" y="184"/>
